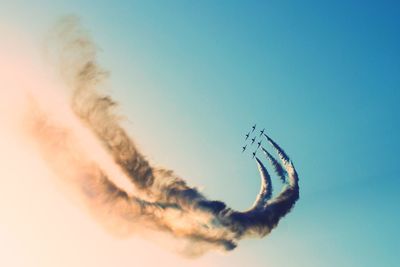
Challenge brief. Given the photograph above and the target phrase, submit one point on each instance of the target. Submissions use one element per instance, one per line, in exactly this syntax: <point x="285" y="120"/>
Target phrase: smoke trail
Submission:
<point x="84" y="144"/>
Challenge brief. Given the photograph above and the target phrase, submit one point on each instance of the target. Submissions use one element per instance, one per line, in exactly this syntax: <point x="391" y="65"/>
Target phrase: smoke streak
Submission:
<point x="83" y="143"/>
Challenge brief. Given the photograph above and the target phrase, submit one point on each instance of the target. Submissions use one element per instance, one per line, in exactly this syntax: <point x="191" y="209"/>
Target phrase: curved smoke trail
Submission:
<point x="162" y="200"/>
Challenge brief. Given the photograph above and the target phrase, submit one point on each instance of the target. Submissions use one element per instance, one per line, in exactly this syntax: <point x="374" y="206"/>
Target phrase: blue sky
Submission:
<point x="322" y="77"/>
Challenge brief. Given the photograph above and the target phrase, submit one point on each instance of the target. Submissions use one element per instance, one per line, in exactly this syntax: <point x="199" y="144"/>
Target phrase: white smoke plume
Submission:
<point x="74" y="127"/>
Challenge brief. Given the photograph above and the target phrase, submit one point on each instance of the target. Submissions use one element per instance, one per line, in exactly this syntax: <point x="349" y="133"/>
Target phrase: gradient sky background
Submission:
<point x="322" y="77"/>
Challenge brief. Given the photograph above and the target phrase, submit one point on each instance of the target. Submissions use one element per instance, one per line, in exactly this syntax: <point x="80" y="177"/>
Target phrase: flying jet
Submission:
<point x="254" y="154"/>
<point x="244" y="148"/>
<point x="254" y="127"/>
<point x="252" y="140"/>
<point x="262" y="131"/>
<point x="247" y="136"/>
<point x="259" y="144"/>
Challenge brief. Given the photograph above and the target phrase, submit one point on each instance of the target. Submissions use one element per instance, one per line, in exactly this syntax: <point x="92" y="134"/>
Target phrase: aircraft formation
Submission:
<point x="252" y="134"/>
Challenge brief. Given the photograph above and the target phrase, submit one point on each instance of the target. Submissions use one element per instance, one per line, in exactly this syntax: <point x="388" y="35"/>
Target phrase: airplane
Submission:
<point x="254" y="127"/>
<point x="261" y="132"/>
<point x="254" y="154"/>
<point x="259" y="144"/>
<point x="252" y="140"/>
<point x="247" y="136"/>
<point x="244" y="148"/>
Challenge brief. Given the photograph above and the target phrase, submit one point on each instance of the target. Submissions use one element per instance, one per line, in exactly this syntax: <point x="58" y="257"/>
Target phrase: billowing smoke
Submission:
<point x="81" y="138"/>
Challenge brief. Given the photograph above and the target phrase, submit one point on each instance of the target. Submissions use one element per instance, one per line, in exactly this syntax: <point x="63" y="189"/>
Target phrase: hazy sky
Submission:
<point x="322" y="77"/>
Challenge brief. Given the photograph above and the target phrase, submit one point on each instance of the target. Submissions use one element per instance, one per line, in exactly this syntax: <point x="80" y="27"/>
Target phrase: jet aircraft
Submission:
<point x="259" y="144"/>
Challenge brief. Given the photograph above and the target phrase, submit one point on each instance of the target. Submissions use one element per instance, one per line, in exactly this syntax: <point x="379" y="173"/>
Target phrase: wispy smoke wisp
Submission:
<point x="84" y="144"/>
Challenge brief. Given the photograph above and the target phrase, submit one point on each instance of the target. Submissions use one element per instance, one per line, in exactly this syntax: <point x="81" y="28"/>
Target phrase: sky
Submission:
<point x="192" y="77"/>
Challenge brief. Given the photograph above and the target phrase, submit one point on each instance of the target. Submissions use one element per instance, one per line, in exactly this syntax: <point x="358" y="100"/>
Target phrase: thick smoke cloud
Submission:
<point x="84" y="144"/>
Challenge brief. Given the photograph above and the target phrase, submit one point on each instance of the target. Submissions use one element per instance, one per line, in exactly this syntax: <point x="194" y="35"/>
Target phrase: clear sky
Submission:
<point x="323" y="78"/>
